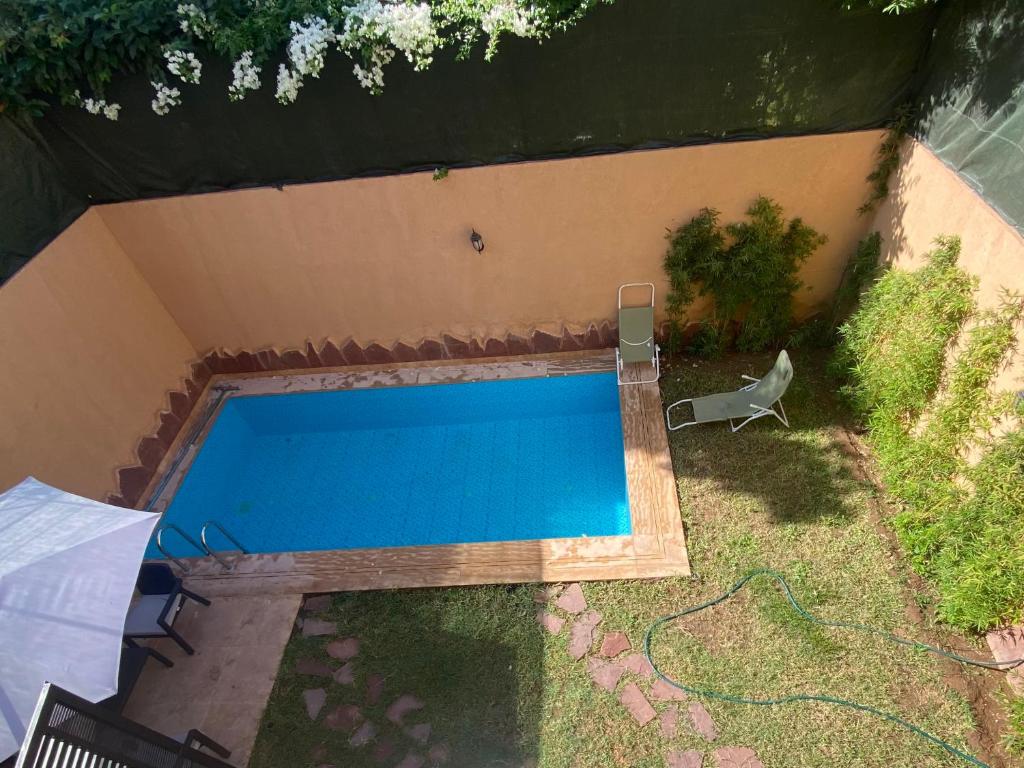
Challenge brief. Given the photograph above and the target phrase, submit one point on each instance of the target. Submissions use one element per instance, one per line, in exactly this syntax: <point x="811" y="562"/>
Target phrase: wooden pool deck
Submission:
<point x="656" y="547"/>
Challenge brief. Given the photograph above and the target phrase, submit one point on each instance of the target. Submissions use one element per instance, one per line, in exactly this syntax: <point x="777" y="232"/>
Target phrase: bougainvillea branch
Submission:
<point x="72" y="50"/>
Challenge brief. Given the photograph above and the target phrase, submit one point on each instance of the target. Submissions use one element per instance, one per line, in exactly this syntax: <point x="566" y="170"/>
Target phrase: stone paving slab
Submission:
<point x="614" y="643"/>
<point x="412" y="760"/>
<point x="605" y="674"/>
<point x="364" y="734"/>
<point x="572" y="600"/>
<point x="344" y="717"/>
<point x="343" y="649"/>
<point x="550" y="621"/>
<point x="223" y="689"/>
<point x="1007" y="645"/>
<point x="314" y="700"/>
<point x="345" y="674"/>
<point x="691" y="758"/>
<point x="318" y="628"/>
<point x="702" y="722"/>
<point x="664" y="691"/>
<point x="581" y="634"/>
<point x="316" y="604"/>
<point x="638" y="664"/>
<point x="402" y="706"/>
<point x="736" y="757"/>
<point x="669" y="720"/>
<point x="633" y="699"/>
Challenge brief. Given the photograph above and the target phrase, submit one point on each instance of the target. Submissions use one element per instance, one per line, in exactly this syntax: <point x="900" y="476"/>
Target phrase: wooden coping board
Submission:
<point x="655" y="548"/>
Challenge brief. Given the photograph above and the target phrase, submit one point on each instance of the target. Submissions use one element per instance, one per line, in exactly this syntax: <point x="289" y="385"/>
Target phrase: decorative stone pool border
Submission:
<point x="655" y="548"/>
<point x="133" y="480"/>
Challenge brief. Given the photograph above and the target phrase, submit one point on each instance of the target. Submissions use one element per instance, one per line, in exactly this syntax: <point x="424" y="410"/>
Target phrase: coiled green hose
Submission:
<point x="799" y="697"/>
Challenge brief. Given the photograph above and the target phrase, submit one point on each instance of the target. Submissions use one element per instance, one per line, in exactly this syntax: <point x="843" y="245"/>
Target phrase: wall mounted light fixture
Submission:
<point x="477" y="242"/>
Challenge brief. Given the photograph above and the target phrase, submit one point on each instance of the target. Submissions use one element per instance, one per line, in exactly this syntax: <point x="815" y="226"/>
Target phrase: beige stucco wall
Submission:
<point x="927" y="200"/>
<point x="89" y="353"/>
<point x="388" y="259"/>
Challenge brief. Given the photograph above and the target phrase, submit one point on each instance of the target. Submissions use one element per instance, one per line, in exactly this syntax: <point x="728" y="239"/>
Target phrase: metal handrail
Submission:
<point x="212" y="552"/>
<point x="185" y="536"/>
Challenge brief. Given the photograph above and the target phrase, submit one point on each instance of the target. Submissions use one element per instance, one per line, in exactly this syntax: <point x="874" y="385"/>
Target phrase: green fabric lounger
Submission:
<point x="753" y="401"/>
<point x="636" y="337"/>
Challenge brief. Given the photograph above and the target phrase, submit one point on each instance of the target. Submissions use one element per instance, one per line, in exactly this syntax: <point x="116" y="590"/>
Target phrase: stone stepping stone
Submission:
<point x="550" y="621"/>
<point x="383" y="751"/>
<point x="402" y="706"/>
<point x="605" y="674"/>
<point x="374" y="688"/>
<point x="737" y="757"/>
<point x="670" y="722"/>
<point x="420" y="733"/>
<point x="412" y="760"/>
<point x="613" y="644"/>
<point x="314" y="699"/>
<point x="344" y="718"/>
<point x="318" y="628"/>
<point x="702" y="722"/>
<point x="366" y="733"/>
<point x="572" y="600"/>
<point x="663" y="691"/>
<point x="316" y="604"/>
<point x="343" y="650"/>
<point x="691" y="758"/>
<point x="581" y="634"/>
<point x="638" y="664"/>
<point x="314" y="667"/>
<point x="439" y="754"/>
<point x="345" y="675"/>
<point x="633" y="699"/>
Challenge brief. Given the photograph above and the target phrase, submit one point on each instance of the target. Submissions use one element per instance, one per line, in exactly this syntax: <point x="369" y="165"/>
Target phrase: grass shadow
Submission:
<point x="795" y="474"/>
<point x="480" y="682"/>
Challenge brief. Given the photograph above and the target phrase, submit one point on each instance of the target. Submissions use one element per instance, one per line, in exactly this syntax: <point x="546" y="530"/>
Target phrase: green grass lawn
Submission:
<point x="501" y="692"/>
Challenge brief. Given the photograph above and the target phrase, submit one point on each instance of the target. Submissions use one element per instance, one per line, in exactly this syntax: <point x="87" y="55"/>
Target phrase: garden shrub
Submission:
<point x="959" y="522"/>
<point x="749" y="268"/>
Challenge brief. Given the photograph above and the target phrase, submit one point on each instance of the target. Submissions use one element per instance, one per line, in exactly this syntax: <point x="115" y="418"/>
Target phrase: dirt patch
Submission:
<point x="979" y="687"/>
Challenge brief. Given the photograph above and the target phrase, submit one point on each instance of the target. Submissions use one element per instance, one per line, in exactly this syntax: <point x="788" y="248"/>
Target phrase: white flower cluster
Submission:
<point x="372" y="76"/>
<point x="373" y="28"/>
<point x="306" y="51"/>
<point x="193" y="20"/>
<point x="246" y="77"/>
<point x="97" y="106"/>
<point x="288" y="84"/>
<point x="509" y="16"/>
<point x="308" y="45"/>
<point x="165" y="98"/>
<point x="185" y="65"/>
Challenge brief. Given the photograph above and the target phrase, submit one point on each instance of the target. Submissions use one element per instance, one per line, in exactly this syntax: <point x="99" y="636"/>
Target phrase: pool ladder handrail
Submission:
<point x="211" y="551"/>
<point x="185" y="536"/>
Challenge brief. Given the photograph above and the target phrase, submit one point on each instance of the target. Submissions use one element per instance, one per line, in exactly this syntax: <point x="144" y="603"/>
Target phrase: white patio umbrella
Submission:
<point x="68" y="567"/>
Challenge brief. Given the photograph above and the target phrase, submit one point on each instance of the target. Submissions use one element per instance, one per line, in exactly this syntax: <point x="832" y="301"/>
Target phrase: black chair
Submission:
<point x="162" y="597"/>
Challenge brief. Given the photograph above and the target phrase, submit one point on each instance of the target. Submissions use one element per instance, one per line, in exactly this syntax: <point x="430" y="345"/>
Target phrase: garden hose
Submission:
<point x="711" y="694"/>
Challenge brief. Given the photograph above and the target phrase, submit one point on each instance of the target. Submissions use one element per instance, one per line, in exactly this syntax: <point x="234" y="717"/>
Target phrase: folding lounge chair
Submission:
<point x="636" y="337"/>
<point x="753" y="401"/>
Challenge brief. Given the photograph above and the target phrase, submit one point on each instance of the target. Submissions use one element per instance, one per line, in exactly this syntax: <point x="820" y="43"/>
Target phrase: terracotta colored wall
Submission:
<point x="89" y="354"/>
<point x="927" y="200"/>
<point x="388" y="258"/>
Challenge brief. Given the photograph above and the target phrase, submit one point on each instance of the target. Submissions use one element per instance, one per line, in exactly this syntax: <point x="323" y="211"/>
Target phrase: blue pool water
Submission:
<point x="398" y="466"/>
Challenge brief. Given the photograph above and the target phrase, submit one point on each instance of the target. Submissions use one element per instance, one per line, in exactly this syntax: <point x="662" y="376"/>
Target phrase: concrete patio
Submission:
<point x="223" y="689"/>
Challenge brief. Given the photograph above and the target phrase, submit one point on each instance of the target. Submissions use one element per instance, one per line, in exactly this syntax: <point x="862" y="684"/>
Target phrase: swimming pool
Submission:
<point x="521" y="459"/>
